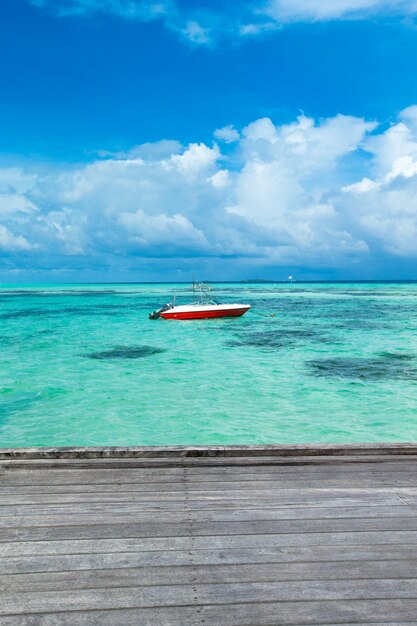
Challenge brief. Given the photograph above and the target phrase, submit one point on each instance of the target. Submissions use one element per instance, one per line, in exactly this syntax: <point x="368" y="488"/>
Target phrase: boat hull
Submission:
<point x="205" y="312"/>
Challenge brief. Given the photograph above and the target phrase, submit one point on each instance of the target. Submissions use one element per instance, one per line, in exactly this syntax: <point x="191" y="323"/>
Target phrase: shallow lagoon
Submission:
<point x="83" y="365"/>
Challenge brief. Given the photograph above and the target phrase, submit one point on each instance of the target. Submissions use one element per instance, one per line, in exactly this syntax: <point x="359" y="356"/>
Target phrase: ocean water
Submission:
<point x="83" y="365"/>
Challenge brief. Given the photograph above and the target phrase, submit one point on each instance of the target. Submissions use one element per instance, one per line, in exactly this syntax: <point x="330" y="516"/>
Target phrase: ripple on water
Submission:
<point x="14" y="402"/>
<point x="39" y="293"/>
<point x="125" y="352"/>
<point x="102" y="309"/>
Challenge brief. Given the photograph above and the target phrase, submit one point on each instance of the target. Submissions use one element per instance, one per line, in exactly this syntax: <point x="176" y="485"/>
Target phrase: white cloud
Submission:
<point x="322" y="10"/>
<point x="15" y="179"/>
<point x="316" y="193"/>
<point x="205" y="25"/>
<point x="15" y="203"/>
<point x="145" y="10"/>
<point x="220" y="179"/>
<point x="150" y="151"/>
<point x="306" y="142"/>
<point x="197" y="158"/>
<point x="164" y="232"/>
<point x="387" y="210"/>
<point x="12" y="243"/>
<point x="363" y="186"/>
<point x="278" y="188"/>
<point x="196" y="33"/>
<point x="228" y="134"/>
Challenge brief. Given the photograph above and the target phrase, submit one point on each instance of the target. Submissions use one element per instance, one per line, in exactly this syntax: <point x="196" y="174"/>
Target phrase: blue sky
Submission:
<point x="146" y="140"/>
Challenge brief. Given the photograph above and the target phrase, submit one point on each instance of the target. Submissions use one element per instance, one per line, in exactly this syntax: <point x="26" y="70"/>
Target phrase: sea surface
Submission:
<point x="322" y="362"/>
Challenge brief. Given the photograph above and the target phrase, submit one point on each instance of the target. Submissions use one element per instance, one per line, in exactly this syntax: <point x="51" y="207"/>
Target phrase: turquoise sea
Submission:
<point x="83" y="365"/>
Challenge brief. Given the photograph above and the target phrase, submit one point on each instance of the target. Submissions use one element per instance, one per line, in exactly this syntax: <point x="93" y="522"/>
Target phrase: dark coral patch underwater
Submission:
<point x="125" y="352"/>
<point x="387" y="365"/>
<point x="275" y="339"/>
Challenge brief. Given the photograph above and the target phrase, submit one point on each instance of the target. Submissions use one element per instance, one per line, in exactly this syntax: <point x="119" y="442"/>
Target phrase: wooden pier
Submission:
<point x="220" y="536"/>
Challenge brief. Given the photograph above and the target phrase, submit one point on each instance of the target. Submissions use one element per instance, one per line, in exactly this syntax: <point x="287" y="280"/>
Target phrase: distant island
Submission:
<point x="260" y="280"/>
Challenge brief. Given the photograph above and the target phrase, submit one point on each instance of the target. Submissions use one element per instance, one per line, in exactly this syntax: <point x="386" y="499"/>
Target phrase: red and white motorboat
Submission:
<point x="204" y="311"/>
<point x="202" y="308"/>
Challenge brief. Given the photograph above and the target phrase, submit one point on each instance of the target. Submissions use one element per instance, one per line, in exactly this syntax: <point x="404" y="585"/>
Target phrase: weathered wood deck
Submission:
<point x="240" y="536"/>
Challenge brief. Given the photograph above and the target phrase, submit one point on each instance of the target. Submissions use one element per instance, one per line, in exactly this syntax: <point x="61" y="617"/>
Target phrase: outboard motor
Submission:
<point x="155" y="314"/>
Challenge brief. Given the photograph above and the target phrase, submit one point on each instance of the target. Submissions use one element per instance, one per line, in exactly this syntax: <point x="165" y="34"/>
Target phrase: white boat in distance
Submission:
<point x="202" y="308"/>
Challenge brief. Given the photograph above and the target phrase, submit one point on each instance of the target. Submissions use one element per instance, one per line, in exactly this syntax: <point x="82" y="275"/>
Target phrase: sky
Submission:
<point x="147" y="140"/>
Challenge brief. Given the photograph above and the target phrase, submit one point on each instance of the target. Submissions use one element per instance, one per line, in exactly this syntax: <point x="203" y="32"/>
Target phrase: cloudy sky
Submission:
<point x="150" y="139"/>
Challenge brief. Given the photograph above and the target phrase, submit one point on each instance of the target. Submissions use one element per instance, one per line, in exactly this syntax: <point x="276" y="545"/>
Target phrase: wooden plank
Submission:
<point x="242" y="451"/>
<point x="201" y="574"/>
<point x="65" y="476"/>
<point x="386" y="612"/>
<point x="348" y="481"/>
<point x="163" y="558"/>
<point x="410" y="499"/>
<point x="310" y="466"/>
<point x="42" y="517"/>
<point x="226" y="542"/>
<point x="203" y="486"/>
<point x="187" y="527"/>
<point x="276" y="496"/>
<point x="206" y="594"/>
<point x="180" y="462"/>
<point x="211" y="504"/>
